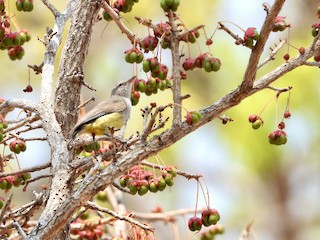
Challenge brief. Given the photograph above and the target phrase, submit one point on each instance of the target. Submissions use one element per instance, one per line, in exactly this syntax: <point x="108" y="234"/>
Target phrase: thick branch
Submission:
<point x="267" y="27"/>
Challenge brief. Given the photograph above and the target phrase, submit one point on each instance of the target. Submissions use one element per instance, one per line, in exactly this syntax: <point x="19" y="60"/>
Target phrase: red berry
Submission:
<point x="281" y="125"/>
<point x="253" y="118"/>
<point x="302" y="50"/>
<point x="195" y="224"/>
<point x="287" y="114"/>
<point x="286" y="57"/>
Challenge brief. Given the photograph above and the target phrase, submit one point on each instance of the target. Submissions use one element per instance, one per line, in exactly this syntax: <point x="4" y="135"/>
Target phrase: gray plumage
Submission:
<point x="119" y="102"/>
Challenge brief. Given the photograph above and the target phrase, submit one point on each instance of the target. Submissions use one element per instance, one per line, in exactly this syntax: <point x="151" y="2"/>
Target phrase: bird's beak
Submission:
<point x="131" y="79"/>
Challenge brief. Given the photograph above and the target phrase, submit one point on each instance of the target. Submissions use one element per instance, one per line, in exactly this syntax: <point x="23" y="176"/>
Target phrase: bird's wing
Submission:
<point x="114" y="104"/>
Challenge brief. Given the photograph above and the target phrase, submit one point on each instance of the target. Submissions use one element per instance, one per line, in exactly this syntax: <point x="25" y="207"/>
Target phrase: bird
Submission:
<point x="108" y="115"/>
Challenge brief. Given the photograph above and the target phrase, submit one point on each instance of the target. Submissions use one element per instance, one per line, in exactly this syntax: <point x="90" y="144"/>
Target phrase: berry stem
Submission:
<point x="277" y="103"/>
<point x="236" y="25"/>
<point x="180" y="106"/>
<point x="287" y="106"/>
<point x="197" y="198"/>
<point x="207" y="193"/>
<point x="204" y="194"/>
<point x="262" y="110"/>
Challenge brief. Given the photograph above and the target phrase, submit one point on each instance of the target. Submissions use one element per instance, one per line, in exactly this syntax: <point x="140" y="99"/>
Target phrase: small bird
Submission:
<point x="110" y="114"/>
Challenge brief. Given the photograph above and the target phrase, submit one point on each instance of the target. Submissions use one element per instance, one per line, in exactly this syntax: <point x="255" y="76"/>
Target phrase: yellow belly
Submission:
<point x="102" y="124"/>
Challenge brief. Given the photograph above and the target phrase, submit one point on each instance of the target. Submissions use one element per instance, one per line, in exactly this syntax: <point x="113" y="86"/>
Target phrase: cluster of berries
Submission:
<point x="24" y="5"/>
<point x="208" y="218"/>
<point x="87" y="231"/>
<point x="163" y="32"/>
<point x="280" y="24"/>
<point x="151" y="86"/>
<point x="169" y="5"/>
<point x="191" y="36"/>
<point x="119" y="6"/>
<point x="3" y="125"/>
<point x="251" y="35"/>
<point x="205" y="61"/>
<point x="212" y="232"/>
<point x="279" y="136"/>
<point x="7" y="182"/>
<point x="17" y="146"/>
<point x="10" y="40"/>
<point x="157" y="69"/>
<point x="133" y="55"/>
<point x="93" y="148"/>
<point x="139" y="180"/>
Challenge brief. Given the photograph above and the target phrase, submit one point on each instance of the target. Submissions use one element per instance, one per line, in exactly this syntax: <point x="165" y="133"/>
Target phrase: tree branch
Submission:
<point x="252" y="67"/>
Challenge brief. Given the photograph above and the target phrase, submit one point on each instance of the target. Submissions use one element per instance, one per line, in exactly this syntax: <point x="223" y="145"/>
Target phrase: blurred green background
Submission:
<point x="277" y="187"/>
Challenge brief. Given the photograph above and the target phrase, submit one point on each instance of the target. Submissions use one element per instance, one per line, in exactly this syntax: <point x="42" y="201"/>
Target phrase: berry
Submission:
<point x="168" y="5"/>
<point x="149" y="43"/>
<point x="210" y="217"/>
<point x="17" y="146"/>
<point x="287" y="114"/>
<point x="279" y="24"/>
<point x="193" y="117"/>
<point x="195" y="224"/>
<point x="106" y="16"/>
<point x="302" y="50"/>
<point x="286" y="57"/>
<point x="277" y="137"/>
<point x="257" y="124"/>
<point x="188" y="64"/>
<point x="281" y="125"/>
<point x="252" y="32"/>
<point x="253" y="118"/>
<point x="315" y="29"/>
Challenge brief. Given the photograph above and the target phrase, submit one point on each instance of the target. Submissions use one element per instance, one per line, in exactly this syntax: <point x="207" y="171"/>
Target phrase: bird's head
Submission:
<point x="123" y="88"/>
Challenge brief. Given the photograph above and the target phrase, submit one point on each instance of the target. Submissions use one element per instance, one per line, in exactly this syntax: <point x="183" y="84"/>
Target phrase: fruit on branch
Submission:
<point x="315" y="29"/>
<point x="256" y="121"/>
<point x="287" y="114"/>
<point x="278" y="137"/>
<point x="134" y="97"/>
<point x="191" y="36"/>
<point x="280" y="24"/>
<point x="250" y="36"/>
<point x="281" y="125"/>
<point x="193" y="117"/>
<point x="212" y="232"/>
<point x="17" y="146"/>
<point x="189" y="64"/>
<point x="168" y="5"/>
<point x="210" y="217"/>
<point x="162" y="30"/>
<point x="140" y="181"/>
<point x="133" y="56"/>
<point x="28" y="88"/>
<point x="149" y="43"/>
<point x="252" y="32"/>
<point x="24" y="5"/>
<point x="195" y="224"/>
<point x="7" y="182"/>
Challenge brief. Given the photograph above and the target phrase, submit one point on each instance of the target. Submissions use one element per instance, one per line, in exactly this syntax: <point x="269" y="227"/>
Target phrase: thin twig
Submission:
<point x="179" y="172"/>
<point x="130" y="220"/>
<point x="20" y="230"/>
<point x="31" y="169"/>
<point x="52" y="8"/>
<point x="5" y="207"/>
<point x="272" y="54"/>
<point x="124" y="29"/>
